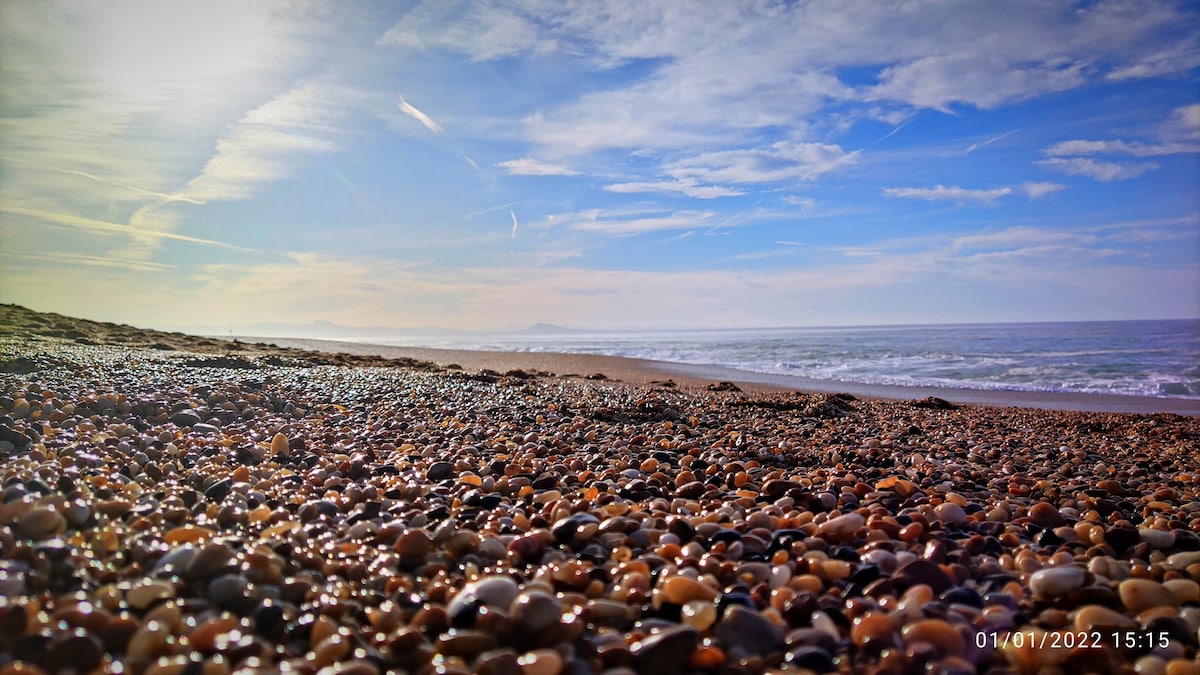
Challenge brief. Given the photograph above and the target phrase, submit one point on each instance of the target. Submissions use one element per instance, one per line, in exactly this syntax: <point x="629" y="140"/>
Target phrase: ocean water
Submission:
<point x="1141" y="358"/>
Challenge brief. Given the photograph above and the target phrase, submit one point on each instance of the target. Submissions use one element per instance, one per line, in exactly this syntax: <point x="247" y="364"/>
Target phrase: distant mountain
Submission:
<point x="547" y="329"/>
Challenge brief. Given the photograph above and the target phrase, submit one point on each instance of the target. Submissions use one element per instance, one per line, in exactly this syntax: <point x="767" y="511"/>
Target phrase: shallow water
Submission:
<point x="1140" y="358"/>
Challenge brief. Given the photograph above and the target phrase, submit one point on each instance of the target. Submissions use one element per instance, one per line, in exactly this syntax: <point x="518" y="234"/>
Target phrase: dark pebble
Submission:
<point x="961" y="596"/>
<point x="1186" y="540"/>
<point x="74" y="652"/>
<point x="749" y="630"/>
<point x="667" y="651"/>
<point x="922" y="572"/>
<point x="186" y="418"/>
<point x="218" y="490"/>
<point x="440" y="470"/>
<point x="18" y="439"/>
<point x="811" y="658"/>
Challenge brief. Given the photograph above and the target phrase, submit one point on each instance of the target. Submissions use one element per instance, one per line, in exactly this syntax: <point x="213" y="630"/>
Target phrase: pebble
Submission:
<point x="951" y="513"/>
<point x="699" y="614"/>
<point x="936" y="632"/>
<point x="185" y="418"/>
<point x="494" y="591"/>
<point x="681" y="590"/>
<point x="1139" y="595"/>
<point x="142" y="595"/>
<point x="1046" y="515"/>
<point x="40" y="523"/>
<point x="667" y="651"/>
<point x="842" y="526"/>
<point x="1098" y="616"/>
<point x="541" y="662"/>
<point x="298" y="515"/>
<point x="747" y="629"/>
<point x="1055" y="582"/>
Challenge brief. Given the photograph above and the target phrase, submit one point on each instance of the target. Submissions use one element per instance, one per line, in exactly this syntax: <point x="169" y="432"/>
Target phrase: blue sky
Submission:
<point x="488" y="165"/>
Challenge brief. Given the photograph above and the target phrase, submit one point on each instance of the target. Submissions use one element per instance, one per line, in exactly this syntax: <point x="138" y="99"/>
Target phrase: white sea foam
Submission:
<point x="1141" y="358"/>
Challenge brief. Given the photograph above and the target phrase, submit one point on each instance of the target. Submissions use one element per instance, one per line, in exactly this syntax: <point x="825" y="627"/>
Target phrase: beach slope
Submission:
<point x="174" y="503"/>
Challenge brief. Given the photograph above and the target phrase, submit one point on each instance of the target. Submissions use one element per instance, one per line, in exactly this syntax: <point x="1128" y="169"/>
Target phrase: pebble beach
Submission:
<point x="178" y="504"/>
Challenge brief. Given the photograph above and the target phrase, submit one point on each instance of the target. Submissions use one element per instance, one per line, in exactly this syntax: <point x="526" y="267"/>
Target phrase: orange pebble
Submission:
<point x="707" y="657"/>
<point x="911" y="532"/>
<point x="670" y="551"/>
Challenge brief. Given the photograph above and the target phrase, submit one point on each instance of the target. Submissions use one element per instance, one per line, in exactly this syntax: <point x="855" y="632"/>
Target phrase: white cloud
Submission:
<point x="528" y="166"/>
<point x="1068" y="148"/>
<point x="411" y="110"/>
<point x="1189" y="114"/>
<point x="482" y="30"/>
<point x="1174" y="59"/>
<point x="1039" y="254"/>
<point x="600" y="222"/>
<point x="1021" y="237"/>
<point x="781" y="161"/>
<point x="1097" y="169"/>
<point x="715" y="83"/>
<point x="806" y="203"/>
<point x="685" y="186"/>
<point x="269" y="142"/>
<point x="1184" y="122"/>
<point x="880" y="284"/>
<point x="779" y="63"/>
<point x="1179" y="133"/>
<point x="951" y="193"/>
<point x="1037" y="190"/>
<point x="980" y="80"/>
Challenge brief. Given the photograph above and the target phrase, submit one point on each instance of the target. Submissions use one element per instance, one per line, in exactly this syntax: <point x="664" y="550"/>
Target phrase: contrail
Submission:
<point x="514" y="217"/>
<point x="408" y="109"/>
<point x="105" y="181"/>
<point x="93" y="225"/>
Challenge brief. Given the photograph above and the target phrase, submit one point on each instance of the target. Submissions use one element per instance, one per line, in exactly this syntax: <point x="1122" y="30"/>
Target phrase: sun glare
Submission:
<point x="148" y="49"/>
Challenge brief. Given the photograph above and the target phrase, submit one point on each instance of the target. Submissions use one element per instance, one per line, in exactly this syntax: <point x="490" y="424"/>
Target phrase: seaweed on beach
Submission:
<point x="821" y="406"/>
<point x="228" y="361"/>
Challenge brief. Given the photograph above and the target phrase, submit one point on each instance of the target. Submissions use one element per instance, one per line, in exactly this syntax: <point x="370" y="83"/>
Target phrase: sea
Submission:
<point x="1140" y="358"/>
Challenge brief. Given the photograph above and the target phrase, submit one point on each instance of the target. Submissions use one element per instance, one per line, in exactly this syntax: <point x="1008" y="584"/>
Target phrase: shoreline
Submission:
<point x="646" y="371"/>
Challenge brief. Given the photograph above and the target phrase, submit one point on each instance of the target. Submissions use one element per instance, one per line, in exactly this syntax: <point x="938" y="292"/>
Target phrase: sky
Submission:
<point x="487" y="165"/>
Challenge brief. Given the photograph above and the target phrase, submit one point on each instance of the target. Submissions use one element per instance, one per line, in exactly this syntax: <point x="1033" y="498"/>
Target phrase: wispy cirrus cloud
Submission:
<point x="1021" y="237"/>
<point x="780" y="161"/>
<point x="1179" y="134"/>
<point x="622" y="224"/>
<point x="272" y="141"/>
<point x="979" y="79"/>
<point x="1078" y="147"/>
<point x="685" y="186"/>
<point x="528" y="166"/>
<point x="1100" y="170"/>
<point x="951" y="193"/>
<point x="484" y="31"/>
